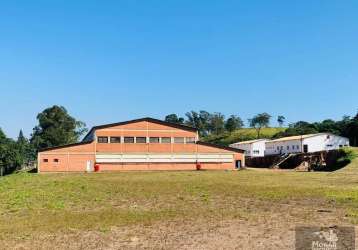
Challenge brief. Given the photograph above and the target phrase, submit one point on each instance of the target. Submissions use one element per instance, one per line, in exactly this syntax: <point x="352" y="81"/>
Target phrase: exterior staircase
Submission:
<point x="280" y="160"/>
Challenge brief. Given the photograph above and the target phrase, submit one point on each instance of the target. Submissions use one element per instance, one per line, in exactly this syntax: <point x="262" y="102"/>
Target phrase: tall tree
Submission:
<point x="21" y="139"/>
<point x="281" y="120"/>
<point x="25" y="149"/>
<point x="56" y="127"/>
<point x="200" y="121"/>
<point x="10" y="157"/>
<point x="260" y="121"/>
<point x="233" y="123"/>
<point x="173" y="118"/>
<point x="217" y="123"/>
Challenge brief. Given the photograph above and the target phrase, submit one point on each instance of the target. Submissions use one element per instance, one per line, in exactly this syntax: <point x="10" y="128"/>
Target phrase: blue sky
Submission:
<point x="109" y="61"/>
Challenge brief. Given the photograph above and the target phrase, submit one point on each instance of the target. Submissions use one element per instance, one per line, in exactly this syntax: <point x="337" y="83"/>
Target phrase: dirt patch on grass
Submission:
<point x="262" y="225"/>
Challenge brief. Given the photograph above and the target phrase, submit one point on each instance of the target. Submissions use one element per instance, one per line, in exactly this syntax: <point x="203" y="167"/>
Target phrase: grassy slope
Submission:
<point x="243" y="134"/>
<point x="31" y="203"/>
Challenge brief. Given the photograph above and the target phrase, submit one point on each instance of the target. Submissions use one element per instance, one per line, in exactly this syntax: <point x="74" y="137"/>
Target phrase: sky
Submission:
<point x="110" y="61"/>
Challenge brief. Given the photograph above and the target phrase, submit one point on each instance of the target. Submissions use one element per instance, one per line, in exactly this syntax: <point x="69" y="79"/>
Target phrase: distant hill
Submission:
<point x="243" y="134"/>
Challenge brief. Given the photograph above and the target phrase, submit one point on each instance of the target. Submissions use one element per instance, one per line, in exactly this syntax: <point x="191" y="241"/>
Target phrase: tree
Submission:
<point x="259" y="121"/>
<point x="233" y="123"/>
<point x="217" y="123"/>
<point x="329" y="126"/>
<point x="200" y="121"/>
<point x="281" y="120"/>
<point x="351" y="131"/>
<point x="10" y="157"/>
<point x="26" y="150"/>
<point x="56" y="127"/>
<point x="173" y="118"/>
<point x="298" y="128"/>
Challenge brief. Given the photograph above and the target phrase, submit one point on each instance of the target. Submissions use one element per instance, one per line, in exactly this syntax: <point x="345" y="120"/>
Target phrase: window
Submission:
<point x="178" y="139"/>
<point x="56" y="160"/>
<point x="128" y="139"/>
<point x="293" y="147"/>
<point x="288" y="147"/>
<point x="141" y="140"/>
<point x="297" y="146"/>
<point x="190" y="140"/>
<point x="102" y="139"/>
<point x="115" y="139"/>
<point x="153" y="139"/>
<point x="166" y="140"/>
<point x="278" y="148"/>
<point x="45" y="160"/>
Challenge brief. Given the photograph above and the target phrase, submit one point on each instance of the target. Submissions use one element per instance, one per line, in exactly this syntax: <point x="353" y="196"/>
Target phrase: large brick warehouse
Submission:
<point x="142" y="144"/>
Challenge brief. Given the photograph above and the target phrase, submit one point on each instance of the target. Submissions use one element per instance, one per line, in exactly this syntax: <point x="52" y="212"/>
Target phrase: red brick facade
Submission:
<point x="143" y="144"/>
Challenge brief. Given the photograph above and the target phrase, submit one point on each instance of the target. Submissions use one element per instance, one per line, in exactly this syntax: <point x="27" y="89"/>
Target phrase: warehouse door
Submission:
<point x="238" y="164"/>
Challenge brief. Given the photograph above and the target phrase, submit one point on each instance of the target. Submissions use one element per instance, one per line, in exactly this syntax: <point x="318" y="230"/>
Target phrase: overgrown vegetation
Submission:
<point x="14" y="153"/>
<point x="347" y="155"/>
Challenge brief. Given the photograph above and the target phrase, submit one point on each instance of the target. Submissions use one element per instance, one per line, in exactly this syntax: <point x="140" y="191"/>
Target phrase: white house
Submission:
<point x="254" y="148"/>
<point x="306" y="144"/>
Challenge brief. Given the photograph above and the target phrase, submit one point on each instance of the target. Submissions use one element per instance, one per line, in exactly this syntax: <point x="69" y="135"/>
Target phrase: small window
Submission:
<point x="128" y="139"/>
<point x="166" y="140"/>
<point x="56" y="160"/>
<point x="45" y="160"/>
<point x="115" y="139"/>
<point x="154" y="140"/>
<point x="288" y="147"/>
<point x="178" y="139"/>
<point x="278" y="148"/>
<point x="141" y="140"/>
<point x="102" y="139"/>
<point x="328" y="136"/>
<point x="190" y="140"/>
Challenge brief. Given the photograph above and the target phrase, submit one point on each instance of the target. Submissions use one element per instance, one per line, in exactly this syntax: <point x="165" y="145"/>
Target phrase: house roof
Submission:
<point x="147" y="119"/>
<point x="249" y="142"/>
<point x="221" y="147"/>
<point x="299" y="137"/>
<point x="66" y="146"/>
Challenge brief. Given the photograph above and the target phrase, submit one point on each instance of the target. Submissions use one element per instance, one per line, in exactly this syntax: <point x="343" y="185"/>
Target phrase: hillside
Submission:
<point x="243" y="134"/>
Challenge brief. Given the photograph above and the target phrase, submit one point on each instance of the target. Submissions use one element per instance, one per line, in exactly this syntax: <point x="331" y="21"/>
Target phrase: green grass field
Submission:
<point x="33" y="204"/>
